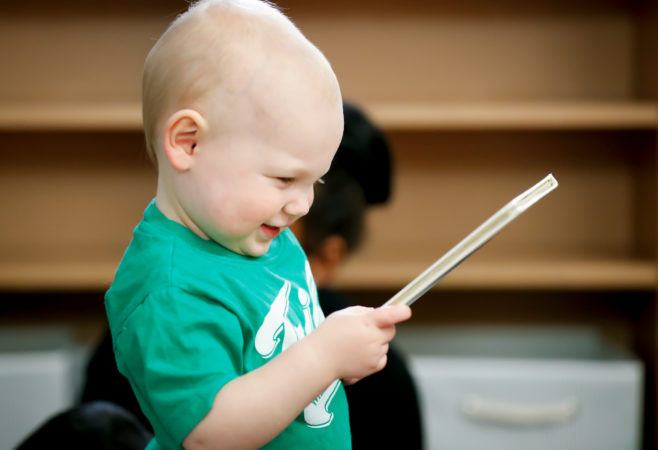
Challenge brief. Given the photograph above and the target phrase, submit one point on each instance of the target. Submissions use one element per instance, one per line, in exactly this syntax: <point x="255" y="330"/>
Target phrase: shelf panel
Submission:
<point x="54" y="276"/>
<point x="512" y="116"/>
<point x="71" y="117"/>
<point x="412" y="116"/>
<point x="511" y="275"/>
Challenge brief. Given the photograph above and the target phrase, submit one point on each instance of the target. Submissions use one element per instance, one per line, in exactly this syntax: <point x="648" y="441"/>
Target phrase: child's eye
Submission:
<point x="285" y="180"/>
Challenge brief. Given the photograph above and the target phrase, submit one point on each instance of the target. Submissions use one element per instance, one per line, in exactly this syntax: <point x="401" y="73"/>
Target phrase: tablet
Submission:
<point x="433" y="274"/>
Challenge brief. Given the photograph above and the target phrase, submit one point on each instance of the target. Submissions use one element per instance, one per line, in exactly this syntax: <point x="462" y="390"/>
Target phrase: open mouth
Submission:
<point x="270" y="231"/>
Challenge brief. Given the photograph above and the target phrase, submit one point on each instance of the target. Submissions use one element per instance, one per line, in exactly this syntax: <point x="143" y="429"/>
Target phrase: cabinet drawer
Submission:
<point x="579" y="396"/>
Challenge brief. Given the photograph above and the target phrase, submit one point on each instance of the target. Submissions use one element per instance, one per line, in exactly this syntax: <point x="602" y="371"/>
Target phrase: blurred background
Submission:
<point x="544" y="338"/>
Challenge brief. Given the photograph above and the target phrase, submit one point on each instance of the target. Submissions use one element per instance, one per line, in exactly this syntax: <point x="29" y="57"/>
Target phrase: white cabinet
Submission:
<point x="525" y="389"/>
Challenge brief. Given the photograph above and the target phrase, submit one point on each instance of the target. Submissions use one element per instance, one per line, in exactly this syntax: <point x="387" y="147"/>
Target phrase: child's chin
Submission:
<point x="256" y="250"/>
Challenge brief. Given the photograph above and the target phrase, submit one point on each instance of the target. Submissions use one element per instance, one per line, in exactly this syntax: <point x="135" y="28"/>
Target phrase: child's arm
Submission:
<point x="252" y="409"/>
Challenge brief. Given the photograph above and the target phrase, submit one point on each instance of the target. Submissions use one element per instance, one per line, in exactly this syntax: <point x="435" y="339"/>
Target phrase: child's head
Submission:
<point x="243" y="115"/>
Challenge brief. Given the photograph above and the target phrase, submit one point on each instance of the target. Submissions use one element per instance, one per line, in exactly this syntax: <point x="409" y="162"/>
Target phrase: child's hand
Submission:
<point x="354" y="341"/>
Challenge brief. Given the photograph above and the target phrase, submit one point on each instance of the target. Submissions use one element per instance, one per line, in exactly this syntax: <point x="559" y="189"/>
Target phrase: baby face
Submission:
<point x="254" y="173"/>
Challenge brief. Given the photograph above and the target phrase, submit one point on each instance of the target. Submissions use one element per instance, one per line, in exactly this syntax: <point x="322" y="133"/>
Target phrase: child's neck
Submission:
<point x="171" y="208"/>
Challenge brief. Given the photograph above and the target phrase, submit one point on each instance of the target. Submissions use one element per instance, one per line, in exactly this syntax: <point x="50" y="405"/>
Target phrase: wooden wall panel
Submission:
<point x="446" y="184"/>
<point x="413" y="56"/>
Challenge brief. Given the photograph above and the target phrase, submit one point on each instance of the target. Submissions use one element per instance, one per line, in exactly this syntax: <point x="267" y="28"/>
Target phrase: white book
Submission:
<point x="482" y="234"/>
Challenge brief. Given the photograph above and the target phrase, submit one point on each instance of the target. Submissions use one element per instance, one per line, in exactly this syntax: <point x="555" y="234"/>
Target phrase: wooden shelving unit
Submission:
<point x="39" y="117"/>
<point x="392" y="275"/>
<point x="514" y="116"/>
<point x="479" y="101"/>
<point x="52" y="276"/>
<point x="510" y="275"/>
<point x="394" y="116"/>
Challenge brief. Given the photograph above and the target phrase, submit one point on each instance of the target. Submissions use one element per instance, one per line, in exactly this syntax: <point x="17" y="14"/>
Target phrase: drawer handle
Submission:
<point x="518" y="414"/>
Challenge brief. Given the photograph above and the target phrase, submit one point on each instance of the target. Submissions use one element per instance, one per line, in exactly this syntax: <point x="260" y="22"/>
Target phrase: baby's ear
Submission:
<point x="182" y="133"/>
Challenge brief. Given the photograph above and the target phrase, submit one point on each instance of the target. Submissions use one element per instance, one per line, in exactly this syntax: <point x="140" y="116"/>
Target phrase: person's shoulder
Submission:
<point x="146" y="262"/>
<point x="147" y="269"/>
<point x="166" y="306"/>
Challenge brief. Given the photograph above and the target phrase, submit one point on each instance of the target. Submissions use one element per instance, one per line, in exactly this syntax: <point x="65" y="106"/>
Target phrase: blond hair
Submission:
<point x="188" y="60"/>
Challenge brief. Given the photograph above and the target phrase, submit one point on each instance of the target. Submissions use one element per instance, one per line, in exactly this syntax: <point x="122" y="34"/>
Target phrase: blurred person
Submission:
<point x="360" y="177"/>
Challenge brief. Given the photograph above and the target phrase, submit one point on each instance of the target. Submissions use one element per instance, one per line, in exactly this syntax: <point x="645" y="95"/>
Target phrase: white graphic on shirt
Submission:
<point x="318" y="315"/>
<point x="316" y="414"/>
<point x="277" y="322"/>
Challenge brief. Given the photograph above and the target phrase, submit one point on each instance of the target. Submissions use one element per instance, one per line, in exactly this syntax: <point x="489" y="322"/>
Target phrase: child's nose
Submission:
<point x="300" y="204"/>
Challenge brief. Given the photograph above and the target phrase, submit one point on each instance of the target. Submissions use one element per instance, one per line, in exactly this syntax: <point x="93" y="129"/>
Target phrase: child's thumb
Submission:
<point x="390" y="315"/>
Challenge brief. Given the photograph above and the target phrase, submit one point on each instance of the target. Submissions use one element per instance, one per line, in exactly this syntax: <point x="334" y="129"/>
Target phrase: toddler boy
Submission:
<point x="213" y="309"/>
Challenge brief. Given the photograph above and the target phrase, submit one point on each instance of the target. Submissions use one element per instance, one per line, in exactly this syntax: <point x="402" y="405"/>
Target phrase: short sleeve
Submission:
<point x="178" y="351"/>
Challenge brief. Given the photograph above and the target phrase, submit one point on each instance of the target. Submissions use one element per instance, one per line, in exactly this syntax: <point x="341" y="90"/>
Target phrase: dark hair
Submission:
<point x="360" y="175"/>
<point x="95" y="425"/>
<point x="338" y="209"/>
<point x="364" y="154"/>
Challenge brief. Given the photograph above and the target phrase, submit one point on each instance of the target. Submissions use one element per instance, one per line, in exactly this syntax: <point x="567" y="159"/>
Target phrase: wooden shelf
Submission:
<point x="392" y="116"/>
<point x="512" y="275"/>
<point x="513" y="116"/>
<point x="71" y="117"/>
<point x="60" y="276"/>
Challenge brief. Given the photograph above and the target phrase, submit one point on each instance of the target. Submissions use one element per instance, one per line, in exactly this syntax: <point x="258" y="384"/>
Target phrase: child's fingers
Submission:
<point x="390" y="315"/>
<point x="388" y="332"/>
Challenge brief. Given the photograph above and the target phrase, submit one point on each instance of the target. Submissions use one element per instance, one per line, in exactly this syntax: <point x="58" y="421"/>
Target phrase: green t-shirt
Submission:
<point x="188" y="315"/>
